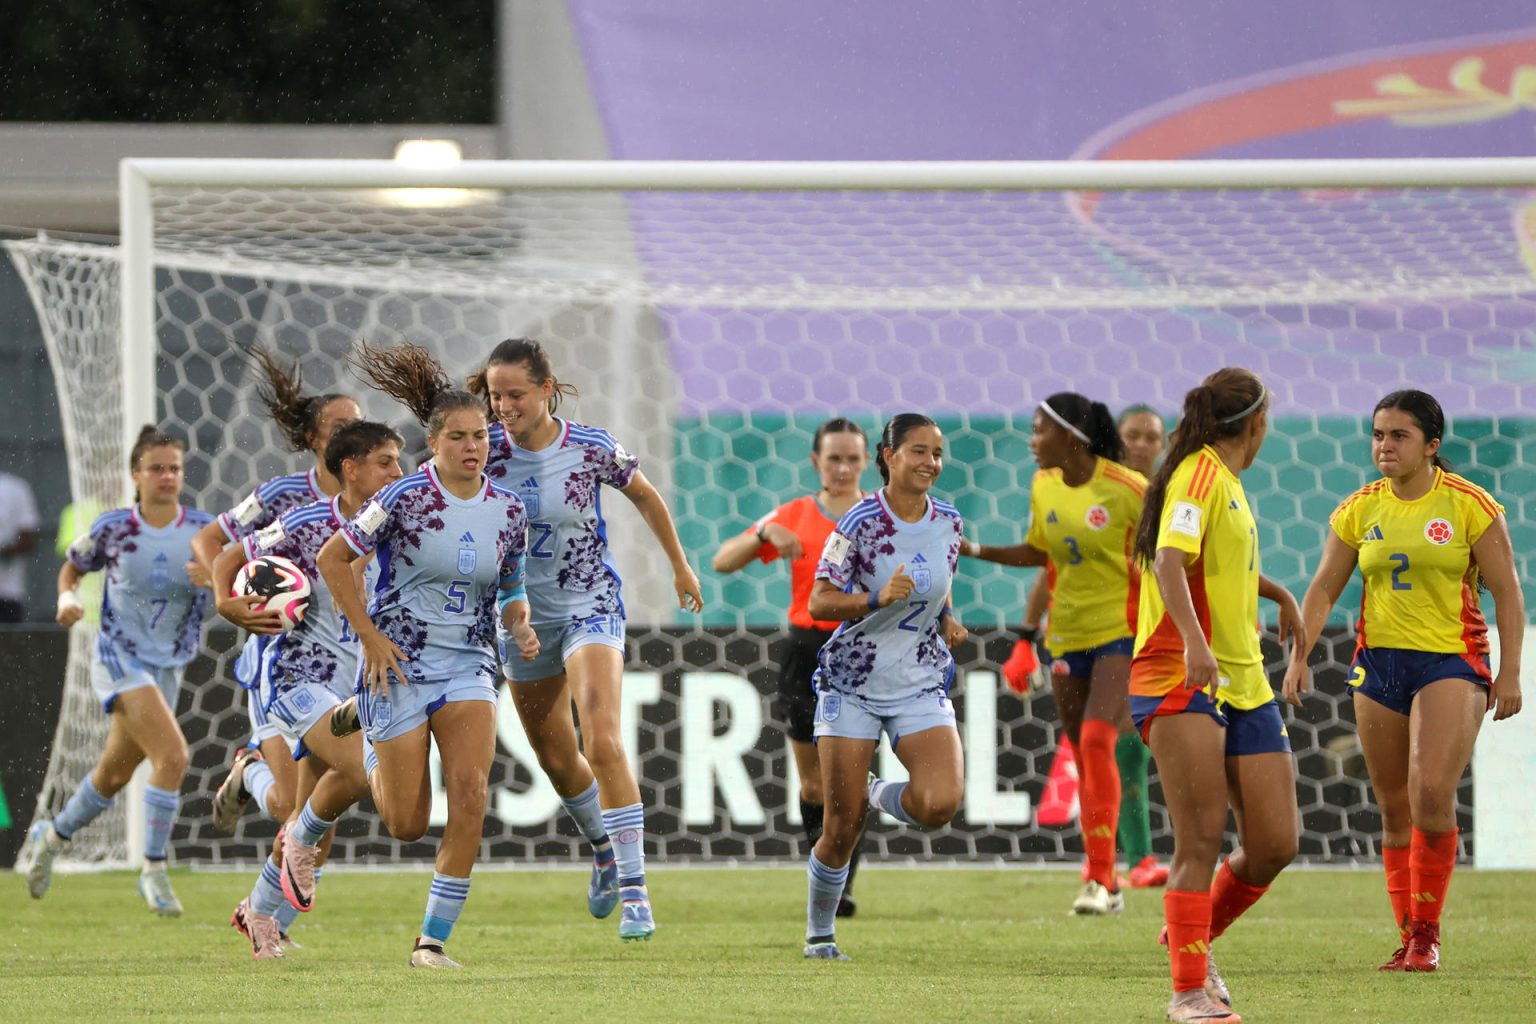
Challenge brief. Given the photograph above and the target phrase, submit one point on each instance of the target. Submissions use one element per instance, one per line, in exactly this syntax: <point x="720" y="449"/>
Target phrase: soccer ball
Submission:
<point x="282" y="583"/>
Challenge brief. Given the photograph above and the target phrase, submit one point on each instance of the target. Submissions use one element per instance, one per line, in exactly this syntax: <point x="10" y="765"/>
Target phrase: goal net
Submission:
<point x="712" y="316"/>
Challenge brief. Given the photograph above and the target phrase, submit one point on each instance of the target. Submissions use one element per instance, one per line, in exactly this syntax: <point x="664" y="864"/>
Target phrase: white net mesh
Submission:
<point x="712" y="331"/>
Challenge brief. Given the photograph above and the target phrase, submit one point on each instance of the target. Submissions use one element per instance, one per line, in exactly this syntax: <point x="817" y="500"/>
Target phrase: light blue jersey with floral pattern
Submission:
<point x="894" y="653"/>
<point x="441" y="560"/>
<point x="570" y="575"/>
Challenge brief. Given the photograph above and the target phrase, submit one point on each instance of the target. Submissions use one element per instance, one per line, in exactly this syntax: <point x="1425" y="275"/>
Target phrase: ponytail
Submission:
<point x="1218" y="407"/>
<point x="413" y="377"/>
<point x="1088" y="421"/>
<point x="296" y="414"/>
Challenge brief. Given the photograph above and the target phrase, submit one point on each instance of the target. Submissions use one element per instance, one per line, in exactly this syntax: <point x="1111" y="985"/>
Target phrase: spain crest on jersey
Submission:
<point x="467" y="556"/>
<point x="160" y="574"/>
<point x="528" y="490"/>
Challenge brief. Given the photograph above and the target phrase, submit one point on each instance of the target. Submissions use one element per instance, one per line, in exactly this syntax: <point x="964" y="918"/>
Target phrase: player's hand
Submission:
<point x="244" y="610"/>
<point x="1022" y="671"/>
<point x="1298" y="679"/>
<point x="954" y="633"/>
<point x="784" y="541"/>
<point x="380" y="658"/>
<point x="70" y="610"/>
<point x="526" y="639"/>
<point x="1504" y="695"/>
<point x="1290" y="620"/>
<point x="897" y="588"/>
<point x="689" y="597"/>
<point x="1200" y="668"/>
<point x="199" y="576"/>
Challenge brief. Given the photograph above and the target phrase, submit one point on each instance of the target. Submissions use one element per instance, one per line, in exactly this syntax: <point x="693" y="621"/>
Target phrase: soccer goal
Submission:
<point x="712" y="315"/>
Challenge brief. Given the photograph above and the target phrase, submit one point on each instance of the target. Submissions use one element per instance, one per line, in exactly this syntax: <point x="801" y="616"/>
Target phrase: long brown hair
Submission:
<point x="281" y="390"/>
<point x="526" y="352"/>
<point x="1218" y="407"/>
<point x="413" y="377"/>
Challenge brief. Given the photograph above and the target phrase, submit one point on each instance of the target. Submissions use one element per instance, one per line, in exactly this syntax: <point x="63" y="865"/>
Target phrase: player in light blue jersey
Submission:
<point x="151" y="622"/>
<point x="450" y="548"/>
<point x="306" y="673"/>
<point x="263" y="768"/>
<point x="558" y="468"/>
<point x="885" y="574"/>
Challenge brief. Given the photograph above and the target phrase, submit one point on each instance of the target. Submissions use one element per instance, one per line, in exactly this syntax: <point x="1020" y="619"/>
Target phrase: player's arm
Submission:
<point x="241" y="609"/>
<point x="654" y="511"/>
<point x="207" y="544"/>
<point x="829" y="603"/>
<point x="1170" y="569"/>
<point x="70" y="611"/>
<point x="512" y="603"/>
<point x="380" y="655"/>
<point x="1021" y="555"/>
<point x="1333" y="572"/>
<point x="1494" y="556"/>
<point x="950" y="629"/>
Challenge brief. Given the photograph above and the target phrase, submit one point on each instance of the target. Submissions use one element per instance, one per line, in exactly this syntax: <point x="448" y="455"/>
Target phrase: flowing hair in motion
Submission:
<point x="413" y="377"/>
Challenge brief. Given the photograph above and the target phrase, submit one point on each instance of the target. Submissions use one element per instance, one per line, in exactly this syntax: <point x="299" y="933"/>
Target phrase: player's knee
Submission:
<point x="467" y="792"/>
<point x="810" y="791"/>
<point x="409" y="829"/>
<point x="172" y="762"/>
<point x="279" y="804"/>
<point x="605" y="753"/>
<point x="933" y="808"/>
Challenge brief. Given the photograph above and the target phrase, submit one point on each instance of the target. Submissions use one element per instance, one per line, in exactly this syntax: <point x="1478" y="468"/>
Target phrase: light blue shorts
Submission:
<point x="251" y="673"/>
<point x="557" y="642"/>
<point x="297" y="710"/>
<point x="851" y="718"/>
<point x="407" y="707"/>
<point x="113" y="673"/>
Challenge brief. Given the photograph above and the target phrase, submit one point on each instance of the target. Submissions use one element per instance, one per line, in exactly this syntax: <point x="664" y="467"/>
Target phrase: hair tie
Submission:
<point x="1045" y="407"/>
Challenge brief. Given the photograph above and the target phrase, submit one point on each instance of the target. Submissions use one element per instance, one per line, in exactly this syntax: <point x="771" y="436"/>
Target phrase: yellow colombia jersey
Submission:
<point x="1087" y="532"/>
<point x="1206" y="514"/>
<point x="1416" y="560"/>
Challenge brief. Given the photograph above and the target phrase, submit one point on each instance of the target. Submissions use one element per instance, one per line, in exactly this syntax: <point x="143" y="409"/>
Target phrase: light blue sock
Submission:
<point x="268" y="896"/>
<point x="82" y="809"/>
<point x="288" y="913"/>
<point x="444" y="904"/>
<point x="587" y="813"/>
<point x="159" y="815"/>
<point x="824" y="889"/>
<point x="626" y="829"/>
<point x="886" y="796"/>
<point x="310" y="828"/>
<point x="258" y="782"/>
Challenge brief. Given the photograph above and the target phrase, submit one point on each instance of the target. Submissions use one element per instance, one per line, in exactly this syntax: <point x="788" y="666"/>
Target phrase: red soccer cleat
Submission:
<point x="1396" y="963"/>
<point x="1423" y="953"/>
<point x="1148" y="874"/>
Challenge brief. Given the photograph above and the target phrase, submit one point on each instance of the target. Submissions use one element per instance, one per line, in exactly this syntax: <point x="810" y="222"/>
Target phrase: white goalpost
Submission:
<point x="712" y="314"/>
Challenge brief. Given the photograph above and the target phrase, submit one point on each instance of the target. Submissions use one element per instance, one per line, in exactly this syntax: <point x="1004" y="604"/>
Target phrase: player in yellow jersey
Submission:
<point x="1421" y="536"/>
<point x="1198" y="690"/>
<point x="1083" y="508"/>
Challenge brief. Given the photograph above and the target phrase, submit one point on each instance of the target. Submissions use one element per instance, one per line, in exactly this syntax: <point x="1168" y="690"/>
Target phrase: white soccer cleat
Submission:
<point x="824" y="951"/>
<point x="1095" y="899"/>
<point x="232" y="796"/>
<point x="1197" y="1006"/>
<point x="155" y="887"/>
<point x="43" y="845"/>
<point x="1215" y="987"/>
<point x="430" y="954"/>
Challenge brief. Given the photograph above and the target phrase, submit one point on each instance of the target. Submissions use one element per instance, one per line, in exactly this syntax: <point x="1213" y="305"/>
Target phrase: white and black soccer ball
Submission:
<point x="281" y="582"/>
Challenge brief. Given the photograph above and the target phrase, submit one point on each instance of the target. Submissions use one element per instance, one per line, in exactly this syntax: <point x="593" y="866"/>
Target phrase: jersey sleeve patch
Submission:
<point x="1186" y="519"/>
<point x="268" y="537"/>
<point x="835" y="552"/>
<point x="372" y="517"/>
<point x="248" y="510"/>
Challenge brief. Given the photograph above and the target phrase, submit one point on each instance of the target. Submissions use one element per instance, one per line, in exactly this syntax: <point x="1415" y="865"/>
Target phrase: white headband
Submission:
<point x="1263" y="394"/>
<point x="1045" y="407"/>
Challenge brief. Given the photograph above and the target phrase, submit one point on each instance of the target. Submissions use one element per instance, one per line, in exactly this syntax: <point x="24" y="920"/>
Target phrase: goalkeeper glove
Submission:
<point x="1022" y="670"/>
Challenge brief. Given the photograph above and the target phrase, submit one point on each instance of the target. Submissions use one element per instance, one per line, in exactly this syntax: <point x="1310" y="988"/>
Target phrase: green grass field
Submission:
<point x="929" y="945"/>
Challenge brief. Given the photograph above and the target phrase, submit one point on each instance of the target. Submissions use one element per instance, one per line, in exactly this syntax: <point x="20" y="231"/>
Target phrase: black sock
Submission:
<point x="811" y="816"/>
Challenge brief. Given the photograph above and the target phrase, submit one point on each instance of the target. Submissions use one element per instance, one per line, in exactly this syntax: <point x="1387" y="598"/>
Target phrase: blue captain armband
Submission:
<point x="506" y="594"/>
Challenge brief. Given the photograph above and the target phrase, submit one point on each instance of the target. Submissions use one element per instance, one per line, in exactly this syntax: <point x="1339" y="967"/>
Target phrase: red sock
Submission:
<point x="1189" y="929"/>
<point x="1230" y="897"/>
<point x="1399" y="883"/>
<point x="1099" y="786"/>
<point x="1431" y="858"/>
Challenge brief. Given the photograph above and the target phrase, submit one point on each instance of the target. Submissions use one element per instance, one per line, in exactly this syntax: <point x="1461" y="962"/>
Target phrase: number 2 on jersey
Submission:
<point x="1398" y="583"/>
<point x="540" y="547"/>
<point x="909" y="621"/>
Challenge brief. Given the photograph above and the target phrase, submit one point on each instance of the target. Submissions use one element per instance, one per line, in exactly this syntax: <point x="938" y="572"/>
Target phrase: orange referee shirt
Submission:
<point x="805" y="519"/>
